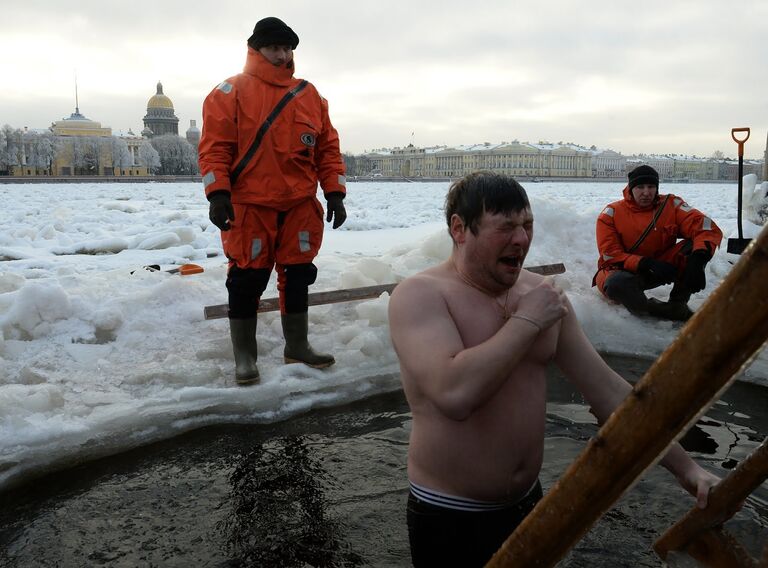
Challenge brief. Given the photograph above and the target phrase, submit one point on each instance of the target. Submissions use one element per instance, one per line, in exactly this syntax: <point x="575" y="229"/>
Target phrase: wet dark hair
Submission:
<point x="482" y="191"/>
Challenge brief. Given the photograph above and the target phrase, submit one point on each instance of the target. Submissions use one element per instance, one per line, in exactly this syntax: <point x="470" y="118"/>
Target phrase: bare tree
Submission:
<point x="177" y="155"/>
<point x="4" y="157"/>
<point x="149" y="157"/>
<point x="40" y="149"/>
<point x="11" y="153"/>
<point x="86" y="155"/>
<point x="121" y="155"/>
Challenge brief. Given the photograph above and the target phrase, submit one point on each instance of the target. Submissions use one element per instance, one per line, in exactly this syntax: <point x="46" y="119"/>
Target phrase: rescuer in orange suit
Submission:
<point x="647" y="240"/>
<point x="267" y="141"/>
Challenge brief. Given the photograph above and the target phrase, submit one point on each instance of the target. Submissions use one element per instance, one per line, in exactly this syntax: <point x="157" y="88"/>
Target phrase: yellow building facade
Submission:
<point x="515" y="159"/>
<point x="88" y="148"/>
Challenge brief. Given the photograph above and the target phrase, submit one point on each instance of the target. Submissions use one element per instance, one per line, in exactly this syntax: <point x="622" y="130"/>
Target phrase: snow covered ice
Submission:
<point x="98" y="355"/>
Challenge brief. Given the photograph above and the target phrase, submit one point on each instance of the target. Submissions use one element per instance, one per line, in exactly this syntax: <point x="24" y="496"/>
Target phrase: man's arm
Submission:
<point x="604" y="390"/>
<point x="457" y="379"/>
<point x="218" y="142"/>
<point x="695" y="225"/>
<point x="328" y="159"/>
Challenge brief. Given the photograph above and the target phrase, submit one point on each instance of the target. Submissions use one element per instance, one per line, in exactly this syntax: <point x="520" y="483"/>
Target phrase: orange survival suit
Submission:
<point x="621" y="224"/>
<point x="278" y="218"/>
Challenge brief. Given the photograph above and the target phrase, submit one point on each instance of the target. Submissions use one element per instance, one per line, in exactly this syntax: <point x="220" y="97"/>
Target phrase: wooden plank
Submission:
<point x="715" y="344"/>
<point x="717" y="548"/>
<point x="723" y="502"/>
<point x="351" y="294"/>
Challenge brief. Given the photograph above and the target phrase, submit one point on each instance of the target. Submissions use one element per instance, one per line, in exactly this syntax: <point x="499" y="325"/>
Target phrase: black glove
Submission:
<point x="336" y="209"/>
<point x="661" y="271"/>
<point x="693" y="277"/>
<point x="220" y="212"/>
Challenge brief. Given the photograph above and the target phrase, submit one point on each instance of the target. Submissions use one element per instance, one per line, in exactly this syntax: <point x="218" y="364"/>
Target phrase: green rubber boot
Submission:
<point x="297" y="347"/>
<point x="243" y="334"/>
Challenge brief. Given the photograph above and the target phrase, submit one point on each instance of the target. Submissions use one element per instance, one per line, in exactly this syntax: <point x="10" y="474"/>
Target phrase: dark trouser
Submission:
<point x="628" y="289"/>
<point x="462" y="539"/>
<point x="246" y="285"/>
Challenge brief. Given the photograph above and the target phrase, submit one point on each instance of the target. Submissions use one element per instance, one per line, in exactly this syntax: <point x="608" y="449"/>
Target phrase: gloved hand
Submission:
<point x="662" y="271"/>
<point x="693" y="277"/>
<point x="336" y="209"/>
<point x="220" y="211"/>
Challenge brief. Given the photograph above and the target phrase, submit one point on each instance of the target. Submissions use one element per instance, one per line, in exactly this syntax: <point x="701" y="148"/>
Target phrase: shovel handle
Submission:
<point x="740" y="142"/>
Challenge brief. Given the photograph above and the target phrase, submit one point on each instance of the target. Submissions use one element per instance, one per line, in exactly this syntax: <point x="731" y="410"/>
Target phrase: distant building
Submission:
<point x="607" y="163"/>
<point x="681" y="168"/>
<point x="85" y="147"/>
<point x="78" y="125"/>
<point x="512" y="158"/>
<point x="160" y="118"/>
<point x="193" y="134"/>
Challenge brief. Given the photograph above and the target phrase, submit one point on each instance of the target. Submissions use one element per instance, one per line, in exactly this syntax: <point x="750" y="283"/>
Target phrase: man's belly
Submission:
<point x="495" y="459"/>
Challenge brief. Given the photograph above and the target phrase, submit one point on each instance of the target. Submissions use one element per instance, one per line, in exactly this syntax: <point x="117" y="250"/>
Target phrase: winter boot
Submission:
<point x="243" y="334"/>
<point x="673" y="310"/>
<point x="297" y="347"/>
<point x="678" y="300"/>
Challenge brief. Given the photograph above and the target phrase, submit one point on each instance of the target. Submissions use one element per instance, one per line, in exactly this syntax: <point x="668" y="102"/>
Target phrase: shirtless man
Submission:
<point x="474" y="336"/>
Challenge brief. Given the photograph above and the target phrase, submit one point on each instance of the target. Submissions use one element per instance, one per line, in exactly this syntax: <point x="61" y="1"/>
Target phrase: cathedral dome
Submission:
<point x="159" y="100"/>
<point x="160" y="118"/>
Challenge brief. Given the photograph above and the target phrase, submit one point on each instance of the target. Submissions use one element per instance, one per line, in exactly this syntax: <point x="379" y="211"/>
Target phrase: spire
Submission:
<point x="159" y="88"/>
<point x="76" y="115"/>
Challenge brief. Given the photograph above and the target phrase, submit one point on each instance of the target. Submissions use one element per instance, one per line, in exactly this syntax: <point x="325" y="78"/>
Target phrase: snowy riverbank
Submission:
<point x="95" y="358"/>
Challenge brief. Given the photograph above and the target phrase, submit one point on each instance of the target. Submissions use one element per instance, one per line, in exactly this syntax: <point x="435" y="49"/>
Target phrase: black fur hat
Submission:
<point x="272" y="31"/>
<point x="643" y="174"/>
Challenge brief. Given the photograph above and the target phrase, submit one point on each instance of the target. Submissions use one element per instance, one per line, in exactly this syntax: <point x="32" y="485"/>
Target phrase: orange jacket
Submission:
<point x="622" y="222"/>
<point x="300" y="148"/>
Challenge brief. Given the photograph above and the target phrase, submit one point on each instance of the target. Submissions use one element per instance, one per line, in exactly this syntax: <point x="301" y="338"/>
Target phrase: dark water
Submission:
<point x="176" y="503"/>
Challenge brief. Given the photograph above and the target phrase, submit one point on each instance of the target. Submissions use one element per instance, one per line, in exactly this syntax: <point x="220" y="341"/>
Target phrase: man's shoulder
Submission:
<point x="310" y="90"/>
<point x="611" y="208"/>
<point x="676" y="200"/>
<point x="227" y="86"/>
<point x="425" y="282"/>
<point x="529" y="278"/>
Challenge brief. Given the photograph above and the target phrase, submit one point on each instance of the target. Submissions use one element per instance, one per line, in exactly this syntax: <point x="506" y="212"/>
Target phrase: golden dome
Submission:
<point x="159" y="100"/>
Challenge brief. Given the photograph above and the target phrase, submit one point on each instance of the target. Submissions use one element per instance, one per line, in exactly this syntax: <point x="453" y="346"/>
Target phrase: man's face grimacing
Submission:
<point x="277" y="55"/>
<point x="644" y="194"/>
<point x="501" y="244"/>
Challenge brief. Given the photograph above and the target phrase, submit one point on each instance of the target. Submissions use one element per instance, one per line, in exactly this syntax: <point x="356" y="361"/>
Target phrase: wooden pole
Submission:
<point x="352" y="294"/>
<point x="683" y="382"/>
<point x="315" y="299"/>
<point x="723" y="502"/>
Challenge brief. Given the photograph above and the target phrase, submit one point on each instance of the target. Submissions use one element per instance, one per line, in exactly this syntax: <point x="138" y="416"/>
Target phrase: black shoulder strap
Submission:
<point x="650" y="227"/>
<point x="263" y="130"/>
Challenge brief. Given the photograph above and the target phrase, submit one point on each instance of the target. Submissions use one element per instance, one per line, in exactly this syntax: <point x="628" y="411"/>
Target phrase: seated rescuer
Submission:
<point x="637" y="238"/>
<point x="263" y="198"/>
<point x="474" y="336"/>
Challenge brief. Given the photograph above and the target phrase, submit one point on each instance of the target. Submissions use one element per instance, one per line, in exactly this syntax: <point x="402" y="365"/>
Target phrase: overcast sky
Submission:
<point x="671" y="76"/>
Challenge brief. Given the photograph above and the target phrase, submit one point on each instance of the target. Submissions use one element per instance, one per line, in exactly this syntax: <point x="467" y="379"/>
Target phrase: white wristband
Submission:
<point x="526" y="318"/>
